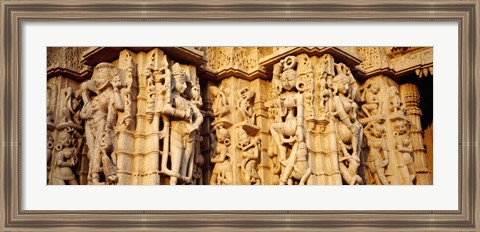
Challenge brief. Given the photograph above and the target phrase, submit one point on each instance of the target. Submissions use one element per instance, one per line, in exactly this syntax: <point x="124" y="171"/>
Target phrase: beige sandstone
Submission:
<point x="239" y="116"/>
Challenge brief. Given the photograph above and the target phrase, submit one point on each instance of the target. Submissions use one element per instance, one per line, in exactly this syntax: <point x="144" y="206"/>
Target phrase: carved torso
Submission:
<point x="65" y="172"/>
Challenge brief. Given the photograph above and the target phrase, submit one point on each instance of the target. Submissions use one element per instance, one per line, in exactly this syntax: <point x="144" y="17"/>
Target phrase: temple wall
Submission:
<point x="239" y="116"/>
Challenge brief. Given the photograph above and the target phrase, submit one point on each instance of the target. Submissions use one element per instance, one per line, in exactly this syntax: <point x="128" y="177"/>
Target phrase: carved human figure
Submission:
<point x="196" y="95"/>
<point x="288" y="129"/>
<point x="220" y="105"/>
<point x="353" y="85"/>
<point x="102" y="101"/>
<point x="372" y="102"/>
<point x="394" y="100"/>
<point x="71" y="109"/>
<point x="404" y="151"/>
<point x="378" y="156"/>
<point x="245" y="105"/>
<point x="326" y="94"/>
<point x="250" y="150"/>
<point x="66" y="157"/>
<point x="222" y="173"/>
<point x="349" y="130"/>
<point x="199" y="160"/>
<point x="185" y="119"/>
<point x="297" y="167"/>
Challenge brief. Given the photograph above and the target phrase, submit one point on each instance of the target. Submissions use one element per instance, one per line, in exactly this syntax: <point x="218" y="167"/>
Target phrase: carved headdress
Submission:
<point x="103" y="74"/>
<point x="179" y="73"/>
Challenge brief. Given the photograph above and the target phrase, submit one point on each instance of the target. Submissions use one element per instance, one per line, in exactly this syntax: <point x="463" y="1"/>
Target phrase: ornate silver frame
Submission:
<point x="15" y="12"/>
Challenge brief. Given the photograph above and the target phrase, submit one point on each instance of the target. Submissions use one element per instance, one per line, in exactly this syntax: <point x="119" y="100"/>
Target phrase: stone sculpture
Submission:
<point x="245" y="105"/>
<point x="288" y="128"/>
<point x="222" y="173"/>
<point x="50" y="147"/>
<point x="250" y="150"/>
<point x="238" y="116"/>
<point x="349" y="130"/>
<point x="378" y="154"/>
<point x="372" y="103"/>
<point x="404" y="151"/>
<point x="185" y="119"/>
<point x="296" y="167"/>
<point x="395" y="103"/>
<point x="220" y="105"/>
<point x="66" y="157"/>
<point x="102" y="101"/>
<point x="71" y="110"/>
<point x="51" y="101"/>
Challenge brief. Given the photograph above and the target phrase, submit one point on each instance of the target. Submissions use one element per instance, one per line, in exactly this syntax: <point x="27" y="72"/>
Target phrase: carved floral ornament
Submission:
<point x="151" y="117"/>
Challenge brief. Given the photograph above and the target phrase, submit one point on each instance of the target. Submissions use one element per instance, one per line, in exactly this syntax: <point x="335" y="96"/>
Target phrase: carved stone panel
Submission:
<point x="237" y="116"/>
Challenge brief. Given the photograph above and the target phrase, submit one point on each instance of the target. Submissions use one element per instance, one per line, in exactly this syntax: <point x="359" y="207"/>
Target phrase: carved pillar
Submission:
<point x="261" y="117"/>
<point x="127" y="120"/>
<point x="411" y="97"/>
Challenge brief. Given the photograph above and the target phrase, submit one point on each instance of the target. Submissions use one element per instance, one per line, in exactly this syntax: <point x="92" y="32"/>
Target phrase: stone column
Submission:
<point x="411" y="98"/>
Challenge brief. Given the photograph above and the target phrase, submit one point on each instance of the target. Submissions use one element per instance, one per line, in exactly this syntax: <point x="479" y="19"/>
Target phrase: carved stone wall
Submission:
<point x="237" y="116"/>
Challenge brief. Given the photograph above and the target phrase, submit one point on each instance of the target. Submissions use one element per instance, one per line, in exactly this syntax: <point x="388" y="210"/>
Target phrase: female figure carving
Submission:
<point x="72" y="106"/>
<point x="349" y="130"/>
<point x="220" y="105"/>
<point x="245" y="104"/>
<point x="67" y="147"/>
<point x="394" y="100"/>
<point x="378" y="152"/>
<point x="102" y="101"/>
<point x="404" y="150"/>
<point x="297" y="167"/>
<point x="222" y="173"/>
<point x="371" y="106"/>
<point x="250" y="154"/>
<point x="288" y="129"/>
<point x="185" y="119"/>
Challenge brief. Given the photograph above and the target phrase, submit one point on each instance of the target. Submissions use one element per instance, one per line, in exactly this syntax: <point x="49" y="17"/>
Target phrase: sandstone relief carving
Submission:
<point x="66" y="157"/>
<point x="102" y="100"/>
<point x="236" y="116"/>
<point x="184" y="119"/>
<point x="378" y="155"/>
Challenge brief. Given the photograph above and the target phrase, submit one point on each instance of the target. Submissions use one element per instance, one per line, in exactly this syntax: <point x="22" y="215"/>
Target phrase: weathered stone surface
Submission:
<point x="239" y="116"/>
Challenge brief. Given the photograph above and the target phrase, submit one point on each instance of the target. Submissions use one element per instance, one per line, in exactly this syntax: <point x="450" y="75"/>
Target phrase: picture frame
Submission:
<point x="14" y="13"/>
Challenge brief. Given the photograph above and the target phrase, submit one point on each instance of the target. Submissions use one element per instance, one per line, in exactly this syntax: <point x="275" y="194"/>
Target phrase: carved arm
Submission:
<point x="222" y="155"/>
<point x="402" y="148"/>
<point x="300" y="116"/>
<point x="117" y="98"/>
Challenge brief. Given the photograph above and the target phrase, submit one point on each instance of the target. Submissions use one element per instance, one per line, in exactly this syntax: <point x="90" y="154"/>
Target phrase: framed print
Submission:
<point x="312" y="115"/>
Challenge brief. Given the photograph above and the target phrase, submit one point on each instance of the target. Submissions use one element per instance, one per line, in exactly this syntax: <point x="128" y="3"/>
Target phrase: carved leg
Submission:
<point x="290" y="163"/>
<point x="352" y="169"/>
<point x="346" y="174"/>
<point x="381" y="176"/>
<point x="90" y="144"/>
<point x="290" y="181"/>
<point x="411" y="170"/>
<point x="213" y="179"/>
<point x="73" y="182"/>
<point x="305" y="176"/>
<point x="215" y="173"/>
<point x="176" y="154"/>
<point x="405" y="176"/>
<point x="96" y="160"/>
<point x="277" y="137"/>
<point x="57" y="181"/>
<point x="186" y="167"/>
<point x="365" y="110"/>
